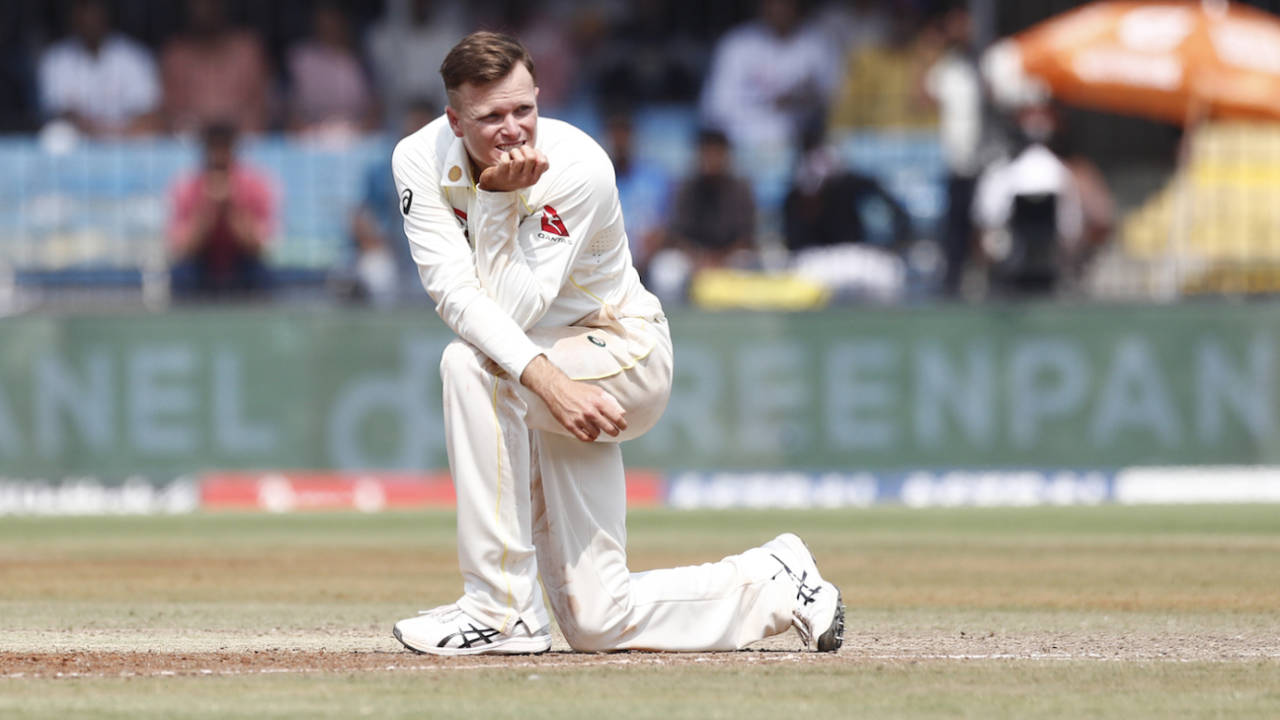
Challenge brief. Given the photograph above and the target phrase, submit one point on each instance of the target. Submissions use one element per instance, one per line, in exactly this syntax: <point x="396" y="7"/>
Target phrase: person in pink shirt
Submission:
<point x="214" y="72"/>
<point x="223" y="217"/>
<point x="329" y="89"/>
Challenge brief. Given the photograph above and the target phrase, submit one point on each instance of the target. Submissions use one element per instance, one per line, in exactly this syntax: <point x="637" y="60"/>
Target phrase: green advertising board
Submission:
<point x="115" y="395"/>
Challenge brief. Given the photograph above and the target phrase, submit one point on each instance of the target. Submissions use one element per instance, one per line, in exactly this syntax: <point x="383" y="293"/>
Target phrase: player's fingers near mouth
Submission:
<point x="518" y="163"/>
<point x="531" y="163"/>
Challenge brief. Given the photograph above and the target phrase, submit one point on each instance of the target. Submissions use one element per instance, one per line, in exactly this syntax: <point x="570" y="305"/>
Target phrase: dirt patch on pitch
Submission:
<point x="860" y="647"/>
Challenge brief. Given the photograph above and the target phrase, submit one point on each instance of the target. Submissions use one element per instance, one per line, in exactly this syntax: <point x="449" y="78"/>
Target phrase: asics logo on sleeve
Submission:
<point x="551" y="222"/>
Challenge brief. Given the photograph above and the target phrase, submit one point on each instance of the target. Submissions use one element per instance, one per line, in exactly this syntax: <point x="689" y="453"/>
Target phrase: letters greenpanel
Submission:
<point x="114" y="395"/>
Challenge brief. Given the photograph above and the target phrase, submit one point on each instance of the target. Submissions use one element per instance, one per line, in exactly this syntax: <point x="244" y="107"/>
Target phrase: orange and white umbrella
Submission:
<point x="1172" y="61"/>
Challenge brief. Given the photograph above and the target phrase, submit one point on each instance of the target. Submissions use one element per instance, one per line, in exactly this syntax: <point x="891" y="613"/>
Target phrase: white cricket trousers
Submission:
<point x="533" y="500"/>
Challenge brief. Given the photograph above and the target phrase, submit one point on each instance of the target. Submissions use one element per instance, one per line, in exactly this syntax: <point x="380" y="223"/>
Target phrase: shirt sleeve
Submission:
<point x="523" y="264"/>
<point x="935" y="80"/>
<point x="144" y="89"/>
<point x="447" y="268"/>
<point x="720" y="95"/>
<point x="53" y="92"/>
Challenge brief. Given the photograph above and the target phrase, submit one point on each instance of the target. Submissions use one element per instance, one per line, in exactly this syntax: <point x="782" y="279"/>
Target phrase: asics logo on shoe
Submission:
<point x="471" y="636"/>
<point x="805" y="593"/>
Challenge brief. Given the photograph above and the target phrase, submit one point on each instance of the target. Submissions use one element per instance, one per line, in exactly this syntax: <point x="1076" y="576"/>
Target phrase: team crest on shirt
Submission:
<point x="553" y="228"/>
<point x="552" y="223"/>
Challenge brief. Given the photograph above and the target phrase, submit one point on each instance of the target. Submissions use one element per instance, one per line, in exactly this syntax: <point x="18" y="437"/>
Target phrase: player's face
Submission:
<point x="497" y="118"/>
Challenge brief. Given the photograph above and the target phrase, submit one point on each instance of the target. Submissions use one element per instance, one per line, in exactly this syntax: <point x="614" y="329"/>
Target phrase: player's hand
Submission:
<point x="581" y="408"/>
<point x="518" y="169"/>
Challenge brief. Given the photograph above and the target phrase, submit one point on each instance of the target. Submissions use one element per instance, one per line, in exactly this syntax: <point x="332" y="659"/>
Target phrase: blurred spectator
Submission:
<point x="714" y="216"/>
<point x="382" y="270"/>
<point x="769" y="78"/>
<point x="17" y="71"/>
<point x="1028" y="212"/>
<point x="222" y="219"/>
<point x="953" y="82"/>
<point x="881" y="85"/>
<point x="98" y="80"/>
<point x="406" y="58"/>
<point x="852" y="24"/>
<point x="827" y="204"/>
<point x="1096" y="201"/>
<point x="647" y="58"/>
<point x="213" y="72"/>
<point x="713" y="222"/>
<point x="843" y="229"/>
<point x="556" y="34"/>
<point x="329" y="91"/>
<point x="643" y="188"/>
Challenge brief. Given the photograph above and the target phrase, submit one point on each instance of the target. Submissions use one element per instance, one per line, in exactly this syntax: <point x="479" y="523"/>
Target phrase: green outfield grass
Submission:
<point x="1107" y="612"/>
<point x="976" y="690"/>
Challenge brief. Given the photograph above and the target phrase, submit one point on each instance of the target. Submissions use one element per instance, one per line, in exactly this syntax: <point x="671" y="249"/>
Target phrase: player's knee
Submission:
<point x="457" y="360"/>
<point x="591" y="639"/>
<point x="598" y="627"/>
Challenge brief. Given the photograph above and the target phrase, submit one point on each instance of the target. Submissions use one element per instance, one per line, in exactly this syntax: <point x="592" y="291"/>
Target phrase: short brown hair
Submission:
<point x="481" y="58"/>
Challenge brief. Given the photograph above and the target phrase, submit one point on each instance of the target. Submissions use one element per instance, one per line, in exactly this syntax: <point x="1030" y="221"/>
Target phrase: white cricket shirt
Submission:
<point x="499" y="263"/>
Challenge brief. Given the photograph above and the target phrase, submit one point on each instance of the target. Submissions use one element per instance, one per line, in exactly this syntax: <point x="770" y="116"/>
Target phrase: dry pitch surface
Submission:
<point x="1106" y="612"/>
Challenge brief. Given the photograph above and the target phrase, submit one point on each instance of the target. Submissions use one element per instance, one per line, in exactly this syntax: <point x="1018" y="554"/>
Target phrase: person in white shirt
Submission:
<point x="769" y="79"/>
<point x="515" y="224"/>
<point x="953" y="83"/>
<point x="1028" y="212"/>
<point x="404" y="55"/>
<point x="100" y="81"/>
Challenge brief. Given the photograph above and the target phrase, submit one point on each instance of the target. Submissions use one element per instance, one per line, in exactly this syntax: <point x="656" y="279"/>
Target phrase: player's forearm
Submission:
<point x="541" y="376"/>
<point x="501" y="266"/>
<point x="495" y="224"/>
<point x="476" y="318"/>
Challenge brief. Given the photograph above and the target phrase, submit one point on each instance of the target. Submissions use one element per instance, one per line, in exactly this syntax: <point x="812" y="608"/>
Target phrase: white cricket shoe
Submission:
<point x="819" y="612"/>
<point x="447" y="630"/>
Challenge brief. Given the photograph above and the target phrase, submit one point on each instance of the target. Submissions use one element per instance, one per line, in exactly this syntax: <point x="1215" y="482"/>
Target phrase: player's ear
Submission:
<point x="453" y="120"/>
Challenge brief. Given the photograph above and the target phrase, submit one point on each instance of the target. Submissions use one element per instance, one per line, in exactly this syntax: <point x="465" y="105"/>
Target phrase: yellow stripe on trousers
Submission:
<point x="497" y="511"/>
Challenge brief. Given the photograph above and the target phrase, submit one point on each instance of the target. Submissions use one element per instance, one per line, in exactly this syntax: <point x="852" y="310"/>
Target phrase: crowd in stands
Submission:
<point x="774" y="77"/>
